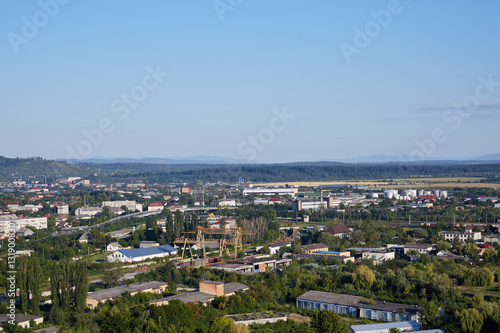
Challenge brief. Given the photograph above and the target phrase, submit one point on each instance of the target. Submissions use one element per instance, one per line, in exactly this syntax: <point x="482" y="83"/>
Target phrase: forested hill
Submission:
<point x="22" y="168"/>
<point x="283" y="173"/>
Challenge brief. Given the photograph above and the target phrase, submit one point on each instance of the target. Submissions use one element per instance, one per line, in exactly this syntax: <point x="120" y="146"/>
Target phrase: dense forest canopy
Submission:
<point x="38" y="168"/>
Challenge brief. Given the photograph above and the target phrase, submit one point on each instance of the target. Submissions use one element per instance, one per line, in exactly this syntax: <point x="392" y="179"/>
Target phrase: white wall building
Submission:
<point x="462" y="236"/>
<point x="14" y="223"/>
<point x="410" y="193"/>
<point x="142" y="254"/>
<point x="131" y="205"/>
<point x="389" y="194"/>
<point x="271" y="191"/>
<point x="227" y="202"/>
<point x="87" y="212"/>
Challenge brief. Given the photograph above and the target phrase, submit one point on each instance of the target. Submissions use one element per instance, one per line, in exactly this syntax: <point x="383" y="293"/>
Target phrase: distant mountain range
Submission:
<point x="167" y="160"/>
<point x="388" y="159"/>
<point x="218" y="160"/>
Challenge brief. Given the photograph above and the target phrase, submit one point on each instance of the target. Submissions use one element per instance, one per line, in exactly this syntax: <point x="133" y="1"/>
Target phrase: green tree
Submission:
<point x="110" y="273"/>
<point x="442" y="246"/>
<point x="35" y="280"/>
<point x="22" y="282"/>
<point x="325" y="321"/>
<point x="363" y="277"/>
<point x="470" y="320"/>
<point x="81" y="284"/>
<point x="221" y="325"/>
<point x="55" y="277"/>
<point x="178" y="223"/>
<point x="65" y="281"/>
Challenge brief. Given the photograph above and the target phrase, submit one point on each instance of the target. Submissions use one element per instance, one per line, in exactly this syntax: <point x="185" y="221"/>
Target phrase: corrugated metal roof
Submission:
<point x="372" y="328"/>
<point x="148" y="251"/>
<point x="351" y="300"/>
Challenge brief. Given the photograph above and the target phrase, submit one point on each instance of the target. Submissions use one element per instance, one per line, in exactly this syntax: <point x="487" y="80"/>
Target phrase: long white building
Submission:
<point x="131" y="205"/>
<point x="142" y="254"/>
<point x="271" y="191"/>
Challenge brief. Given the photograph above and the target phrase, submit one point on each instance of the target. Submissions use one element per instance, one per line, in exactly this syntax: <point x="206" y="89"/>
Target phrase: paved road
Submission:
<point x="115" y="219"/>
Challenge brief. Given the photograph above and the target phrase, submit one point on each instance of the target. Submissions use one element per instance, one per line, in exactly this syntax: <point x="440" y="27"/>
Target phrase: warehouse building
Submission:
<point x="134" y="255"/>
<point x="357" y="306"/>
<point x="206" y="294"/>
<point x="102" y="296"/>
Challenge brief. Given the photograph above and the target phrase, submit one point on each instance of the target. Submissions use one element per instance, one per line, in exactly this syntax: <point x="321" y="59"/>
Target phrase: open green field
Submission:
<point x="441" y="182"/>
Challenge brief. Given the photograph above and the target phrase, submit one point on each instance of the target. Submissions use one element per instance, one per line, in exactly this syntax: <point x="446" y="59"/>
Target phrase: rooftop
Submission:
<point x="20" y="318"/>
<point x="148" y="251"/>
<point x="120" y="290"/>
<point x="351" y="300"/>
<point x="189" y="297"/>
<point x="339" y="229"/>
<point x="315" y="246"/>
<point x="401" y="325"/>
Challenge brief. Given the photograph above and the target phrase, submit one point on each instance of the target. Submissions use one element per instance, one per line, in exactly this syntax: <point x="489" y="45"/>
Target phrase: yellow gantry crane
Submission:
<point x="233" y="236"/>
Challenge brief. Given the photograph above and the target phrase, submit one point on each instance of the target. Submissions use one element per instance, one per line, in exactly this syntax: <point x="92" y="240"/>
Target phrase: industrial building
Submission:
<point x="102" y="296"/>
<point x="142" y="254"/>
<point x="357" y="306"/>
<point x="21" y="319"/>
<point x="314" y="248"/>
<point x="271" y="191"/>
<point x="206" y="294"/>
<point x="401" y="326"/>
<point x="319" y="256"/>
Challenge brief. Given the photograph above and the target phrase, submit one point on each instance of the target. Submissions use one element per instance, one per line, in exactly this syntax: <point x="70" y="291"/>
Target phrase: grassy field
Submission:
<point x="441" y="182"/>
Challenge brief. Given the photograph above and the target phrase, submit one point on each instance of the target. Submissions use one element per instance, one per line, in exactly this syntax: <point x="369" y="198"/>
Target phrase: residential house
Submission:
<point x="24" y="232"/>
<point x="113" y="247"/>
<point x="276" y="245"/>
<point x="156" y="206"/>
<point x="85" y="238"/>
<point x="342" y="231"/>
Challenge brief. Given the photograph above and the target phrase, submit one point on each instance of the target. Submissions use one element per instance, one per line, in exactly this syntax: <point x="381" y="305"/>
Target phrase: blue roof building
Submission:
<point x="142" y="254"/>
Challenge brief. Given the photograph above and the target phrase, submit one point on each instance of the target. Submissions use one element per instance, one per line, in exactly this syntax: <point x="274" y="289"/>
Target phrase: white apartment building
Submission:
<point x="18" y="223"/>
<point x="462" y="236"/>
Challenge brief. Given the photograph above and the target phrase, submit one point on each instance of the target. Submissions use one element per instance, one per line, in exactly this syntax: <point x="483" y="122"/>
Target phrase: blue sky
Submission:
<point x="234" y="65"/>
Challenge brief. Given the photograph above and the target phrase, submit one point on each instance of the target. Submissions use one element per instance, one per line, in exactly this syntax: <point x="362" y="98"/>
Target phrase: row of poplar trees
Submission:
<point x="68" y="284"/>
